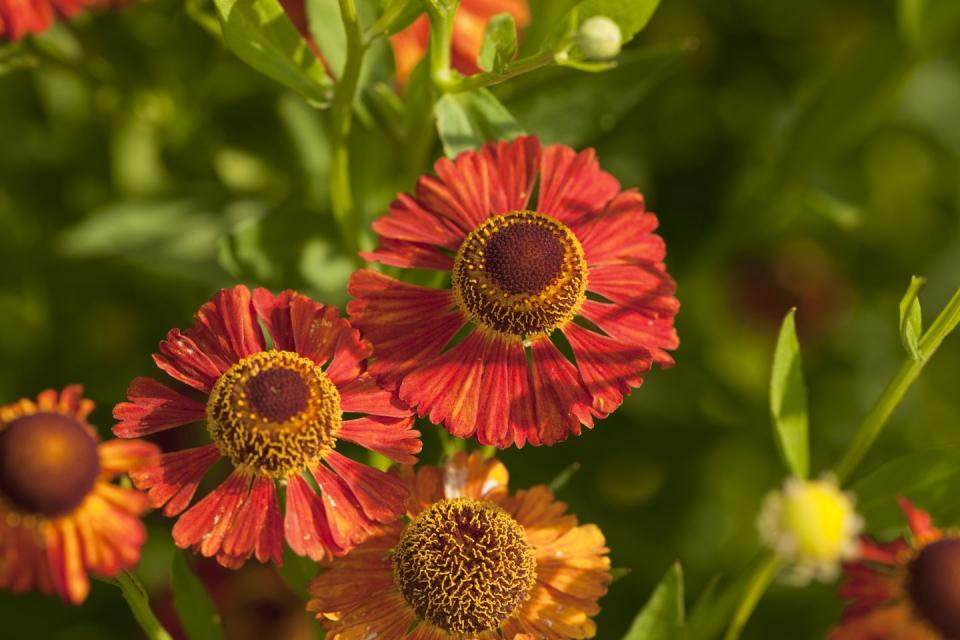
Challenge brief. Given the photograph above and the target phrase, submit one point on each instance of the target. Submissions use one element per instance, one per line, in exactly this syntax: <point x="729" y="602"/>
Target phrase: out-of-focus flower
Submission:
<point x="276" y="415"/>
<point x="472" y="562"/>
<point x="19" y="18"/>
<point x="599" y="38"/>
<point x="907" y="589"/>
<point x="469" y="25"/>
<point x="811" y="525"/>
<point x="583" y="262"/>
<point x="61" y="517"/>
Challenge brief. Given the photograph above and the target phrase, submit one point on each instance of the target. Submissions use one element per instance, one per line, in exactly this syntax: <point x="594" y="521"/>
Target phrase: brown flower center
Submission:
<point x="48" y="463"/>
<point x="464" y="565"/>
<point x="274" y="411"/>
<point x="934" y="585"/>
<point x="522" y="274"/>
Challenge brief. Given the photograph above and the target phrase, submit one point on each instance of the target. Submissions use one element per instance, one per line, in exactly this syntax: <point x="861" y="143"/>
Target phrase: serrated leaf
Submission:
<point x="788" y="400"/>
<point x="499" y="43"/>
<point x="662" y="618"/>
<point x="911" y="318"/>
<point x="195" y="609"/>
<point x="261" y="35"/>
<point x="467" y="120"/>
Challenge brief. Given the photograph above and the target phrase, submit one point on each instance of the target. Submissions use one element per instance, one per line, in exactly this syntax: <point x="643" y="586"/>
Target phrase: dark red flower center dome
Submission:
<point x="522" y="274"/>
<point x="48" y="463"/>
<point x="275" y="412"/>
<point x="933" y="583"/>
<point x="464" y="565"/>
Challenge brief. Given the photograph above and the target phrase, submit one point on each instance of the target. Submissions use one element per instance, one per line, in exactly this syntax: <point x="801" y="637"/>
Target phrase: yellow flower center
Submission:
<point x="275" y="412"/>
<point x="934" y="587"/>
<point x="817" y="516"/>
<point x="464" y="565"/>
<point x="48" y="463"/>
<point x="522" y="274"/>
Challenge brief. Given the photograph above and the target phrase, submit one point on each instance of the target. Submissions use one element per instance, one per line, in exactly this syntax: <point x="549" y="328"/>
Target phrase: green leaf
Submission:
<point x="139" y="603"/>
<point x="399" y="15"/>
<point x="195" y="609"/>
<point x="563" y="477"/>
<point x="911" y="318"/>
<point x="326" y="26"/>
<point x="499" y="43"/>
<point x="662" y="618"/>
<point x="788" y="400"/>
<point x="630" y="16"/>
<point x="15" y="56"/>
<point x="261" y="35"/>
<point x="467" y="120"/>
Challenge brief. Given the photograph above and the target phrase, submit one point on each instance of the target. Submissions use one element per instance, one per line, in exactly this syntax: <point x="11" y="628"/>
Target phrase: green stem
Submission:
<point x="136" y="597"/>
<point x="341" y="193"/>
<point x="759" y="581"/>
<point x="384" y="23"/>
<point x="891" y="397"/>
<point x="441" y="14"/>
<point x="516" y="68"/>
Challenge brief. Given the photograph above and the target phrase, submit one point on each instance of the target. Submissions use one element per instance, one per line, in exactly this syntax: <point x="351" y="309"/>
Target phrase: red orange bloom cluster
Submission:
<point x="19" y="18"/>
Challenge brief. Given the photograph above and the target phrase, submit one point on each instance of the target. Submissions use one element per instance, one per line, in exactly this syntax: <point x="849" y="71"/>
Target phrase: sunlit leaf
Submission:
<point x="662" y="618"/>
<point x="195" y="609"/>
<point x="911" y="318"/>
<point x="499" y="43"/>
<point x="467" y="120"/>
<point x="788" y="400"/>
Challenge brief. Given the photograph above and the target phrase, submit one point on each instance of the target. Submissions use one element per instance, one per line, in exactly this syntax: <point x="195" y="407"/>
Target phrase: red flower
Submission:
<point x="518" y="273"/>
<point x="276" y="414"/>
<point x="905" y="589"/>
<point x="21" y="17"/>
<point x="469" y="25"/>
<point x="61" y="517"/>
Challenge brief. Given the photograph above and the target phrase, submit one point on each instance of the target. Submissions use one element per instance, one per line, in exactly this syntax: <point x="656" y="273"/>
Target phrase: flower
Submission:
<point x="599" y="38"/>
<point x="19" y="18"/>
<point x="61" y="517"/>
<point x="583" y="262"/>
<point x="469" y="25"/>
<point x="275" y="415"/>
<point x="906" y="589"/>
<point x="473" y="561"/>
<point x="812" y="525"/>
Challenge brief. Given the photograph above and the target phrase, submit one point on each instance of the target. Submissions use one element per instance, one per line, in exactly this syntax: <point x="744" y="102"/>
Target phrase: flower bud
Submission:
<point x="599" y="38"/>
<point x="811" y="525"/>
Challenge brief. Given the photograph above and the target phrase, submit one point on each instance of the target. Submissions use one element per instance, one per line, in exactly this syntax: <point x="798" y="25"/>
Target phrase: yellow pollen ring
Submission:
<point x="275" y="412"/>
<point x="521" y="274"/>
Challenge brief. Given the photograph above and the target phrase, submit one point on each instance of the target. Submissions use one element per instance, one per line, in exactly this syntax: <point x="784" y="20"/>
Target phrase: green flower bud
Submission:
<point x="599" y="38"/>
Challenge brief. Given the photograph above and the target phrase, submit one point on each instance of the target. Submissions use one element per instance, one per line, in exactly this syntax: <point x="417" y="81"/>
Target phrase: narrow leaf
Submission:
<point x="499" y="43"/>
<point x="662" y="618"/>
<point x="193" y="604"/>
<point x="788" y="400"/>
<point x="467" y="120"/>
<point x="911" y="318"/>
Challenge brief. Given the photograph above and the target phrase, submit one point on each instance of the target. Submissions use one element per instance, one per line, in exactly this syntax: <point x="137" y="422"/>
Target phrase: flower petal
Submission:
<point x="204" y="525"/>
<point x="561" y="401"/>
<point x="508" y="416"/>
<point x="304" y="524"/>
<point x="65" y="559"/>
<point x="608" y="368"/>
<point x="572" y="186"/>
<point x="364" y="395"/>
<point x="154" y="407"/>
<point x="409" y="255"/>
<point x="184" y="360"/>
<point x="394" y="438"/>
<point x="121" y="456"/>
<point x="622" y="233"/>
<point x="257" y="526"/>
<point x="174" y="479"/>
<point x="347" y="523"/>
<point x="381" y="495"/>
<point x="655" y="333"/>
<point x="226" y="327"/>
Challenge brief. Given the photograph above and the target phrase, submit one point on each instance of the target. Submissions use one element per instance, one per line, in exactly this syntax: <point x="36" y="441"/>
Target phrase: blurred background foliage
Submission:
<point x="798" y="154"/>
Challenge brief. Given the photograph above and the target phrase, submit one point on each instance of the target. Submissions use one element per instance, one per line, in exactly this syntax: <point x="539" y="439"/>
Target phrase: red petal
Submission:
<point x="447" y="388"/>
<point x="656" y="334"/>
<point x="249" y="526"/>
<point x="515" y="165"/>
<point x="392" y="437"/>
<point x="506" y="416"/>
<point x="227" y="326"/>
<point x="183" y="359"/>
<point x="305" y="522"/>
<point x="204" y="525"/>
<point x="409" y="255"/>
<point x="316" y="328"/>
<point x="561" y="401"/>
<point x="364" y="395"/>
<point x="349" y="356"/>
<point x="644" y="288"/>
<point x="410" y="222"/>
<point x="608" y="367"/>
<point x="622" y="233"/>
<point x="120" y="456"/>
<point x="347" y="523"/>
<point x="382" y="496"/>
<point x="274" y="311"/>
<point x="460" y="192"/>
<point x="270" y="541"/>
<point x="65" y="558"/>
<point x="71" y="402"/>
<point x="572" y="186"/>
<point x="919" y="520"/>
<point x="175" y="477"/>
<point x="154" y="407"/>
<point x="408" y="324"/>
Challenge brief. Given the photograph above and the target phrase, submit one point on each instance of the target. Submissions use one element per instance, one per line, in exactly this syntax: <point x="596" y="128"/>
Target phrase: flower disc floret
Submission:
<point x="48" y="463"/>
<point x="275" y="412"/>
<point x="464" y="565"/>
<point x="522" y="274"/>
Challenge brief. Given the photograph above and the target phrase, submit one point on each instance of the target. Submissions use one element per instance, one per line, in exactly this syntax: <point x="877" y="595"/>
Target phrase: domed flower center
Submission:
<point x="934" y="586"/>
<point x="522" y="274"/>
<point x="464" y="565"/>
<point x="48" y="463"/>
<point x="274" y="411"/>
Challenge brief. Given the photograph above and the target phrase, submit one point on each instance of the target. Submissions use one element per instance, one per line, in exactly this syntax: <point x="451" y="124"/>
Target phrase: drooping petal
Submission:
<point x="65" y="559"/>
<point x="153" y="407"/>
<point x="121" y="456"/>
<point x="173" y="480"/>
<point x="608" y="368"/>
<point x="364" y="395"/>
<point x="183" y="359"/>
<point x="572" y="185"/>
<point x="204" y="525"/>
<point x="347" y="523"/>
<point x="381" y="495"/>
<point x="256" y="528"/>
<point x="650" y="330"/>
<point x="394" y="438"/>
<point x="507" y="416"/>
<point x="560" y="399"/>
<point x="304" y="524"/>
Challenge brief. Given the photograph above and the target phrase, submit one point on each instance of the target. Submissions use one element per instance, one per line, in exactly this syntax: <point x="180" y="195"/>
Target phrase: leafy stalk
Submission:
<point x="441" y="13"/>
<point x="136" y="597"/>
<point x="384" y="23"/>
<point x="512" y="70"/>
<point x="762" y="577"/>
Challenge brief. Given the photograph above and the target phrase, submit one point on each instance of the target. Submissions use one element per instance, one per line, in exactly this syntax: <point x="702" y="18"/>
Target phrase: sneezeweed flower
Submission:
<point x="472" y="562"/>
<point x="583" y="262"/>
<point x="469" y="26"/>
<point x="811" y="525"/>
<point x="906" y="589"/>
<point x="61" y="517"/>
<point x="276" y="415"/>
<point x="19" y="18"/>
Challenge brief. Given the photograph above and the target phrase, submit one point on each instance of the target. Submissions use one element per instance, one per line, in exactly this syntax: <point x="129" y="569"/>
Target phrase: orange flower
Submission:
<point x="19" y="18"/>
<point x="60" y="516"/>
<point x="473" y="561"/>
<point x="469" y="25"/>
<point x="906" y="589"/>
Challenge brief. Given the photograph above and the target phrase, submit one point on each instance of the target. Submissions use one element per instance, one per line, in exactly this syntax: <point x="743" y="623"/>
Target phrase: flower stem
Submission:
<point x="512" y="70"/>
<point x="136" y="597"/>
<point x="893" y="394"/>
<point x="341" y="193"/>
<point x="384" y="23"/>
<point x="759" y="581"/>
<point x="441" y="13"/>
